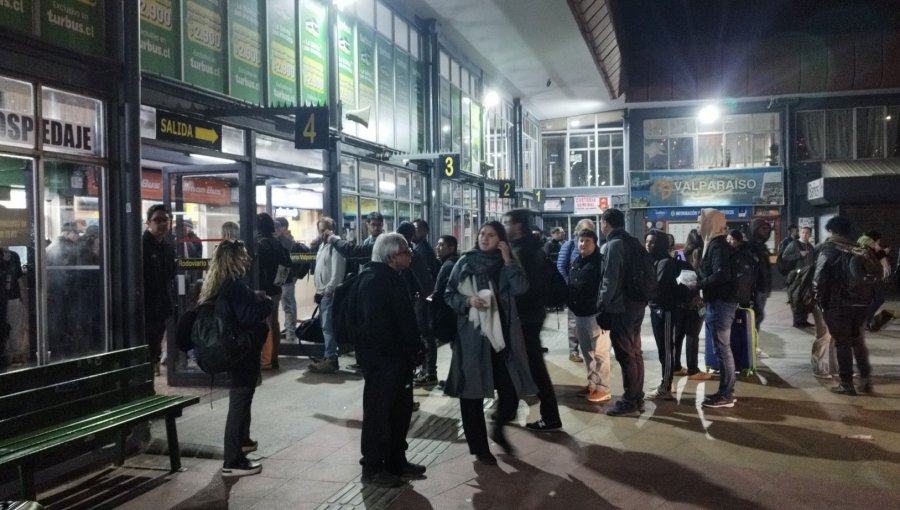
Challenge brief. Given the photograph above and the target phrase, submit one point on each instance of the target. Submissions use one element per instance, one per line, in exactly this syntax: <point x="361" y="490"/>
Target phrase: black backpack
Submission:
<point x="799" y="287"/>
<point x="300" y="260"/>
<point x="640" y="283"/>
<point x="743" y="270"/>
<point x="218" y="341"/>
<point x="861" y="273"/>
<point x="558" y="291"/>
<point x="345" y="309"/>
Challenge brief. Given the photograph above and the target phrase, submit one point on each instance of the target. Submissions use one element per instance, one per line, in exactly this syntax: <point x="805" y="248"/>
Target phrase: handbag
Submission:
<point x="310" y="330"/>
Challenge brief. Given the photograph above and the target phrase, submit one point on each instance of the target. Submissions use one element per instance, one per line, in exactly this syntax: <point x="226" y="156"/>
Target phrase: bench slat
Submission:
<point x="55" y="373"/>
<point x="42" y="442"/>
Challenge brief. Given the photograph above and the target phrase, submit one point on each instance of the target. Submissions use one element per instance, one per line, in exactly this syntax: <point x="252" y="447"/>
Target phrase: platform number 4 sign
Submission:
<point x="311" y="128"/>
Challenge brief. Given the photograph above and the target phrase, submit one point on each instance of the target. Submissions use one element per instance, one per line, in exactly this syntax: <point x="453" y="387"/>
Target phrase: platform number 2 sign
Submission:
<point x="508" y="189"/>
<point x="311" y="128"/>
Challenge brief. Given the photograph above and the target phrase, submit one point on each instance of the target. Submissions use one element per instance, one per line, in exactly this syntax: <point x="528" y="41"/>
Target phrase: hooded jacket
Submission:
<point x="716" y="279"/>
<point x="763" y="267"/>
<point x="531" y="304"/>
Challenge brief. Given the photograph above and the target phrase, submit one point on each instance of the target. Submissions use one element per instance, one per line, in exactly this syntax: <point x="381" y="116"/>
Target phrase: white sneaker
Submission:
<point x="242" y="468"/>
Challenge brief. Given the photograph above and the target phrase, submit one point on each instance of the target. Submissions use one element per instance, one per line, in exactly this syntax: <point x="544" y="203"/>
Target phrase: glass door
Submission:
<point x="206" y="204"/>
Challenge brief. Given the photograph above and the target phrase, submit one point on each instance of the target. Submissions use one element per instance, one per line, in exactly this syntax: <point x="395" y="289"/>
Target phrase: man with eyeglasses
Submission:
<point x="159" y="279"/>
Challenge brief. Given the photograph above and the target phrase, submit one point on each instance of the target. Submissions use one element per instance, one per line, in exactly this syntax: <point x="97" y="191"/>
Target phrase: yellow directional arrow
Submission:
<point x="206" y="134"/>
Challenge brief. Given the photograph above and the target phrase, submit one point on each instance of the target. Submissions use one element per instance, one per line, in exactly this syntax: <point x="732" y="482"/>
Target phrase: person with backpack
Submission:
<point x="330" y="272"/>
<point x="249" y="310"/>
<point x="387" y="342"/>
<point x="718" y="291"/>
<point x="288" y="289"/>
<point x="844" y="294"/>
<point x="272" y="260"/>
<point x="532" y="312"/>
<point x="568" y="252"/>
<point x="622" y="300"/>
<point x="872" y="241"/>
<point x="584" y="283"/>
<point x="443" y="318"/>
<point x="664" y="312"/>
<point x="760" y="232"/>
<point x="745" y="268"/>
<point x="799" y="254"/>
<point x="690" y="320"/>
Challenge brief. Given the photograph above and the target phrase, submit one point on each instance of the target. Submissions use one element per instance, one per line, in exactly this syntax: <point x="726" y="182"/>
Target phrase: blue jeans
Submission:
<point x="719" y="317"/>
<point x="331" y="347"/>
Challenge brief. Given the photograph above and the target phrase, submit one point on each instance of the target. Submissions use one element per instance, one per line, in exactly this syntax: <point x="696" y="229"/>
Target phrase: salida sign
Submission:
<point x="180" y="129"/>
<point x="20" y="129"/>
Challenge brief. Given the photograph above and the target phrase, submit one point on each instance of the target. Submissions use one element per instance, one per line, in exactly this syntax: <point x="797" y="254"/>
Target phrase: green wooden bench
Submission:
<point x="46" y="411"/>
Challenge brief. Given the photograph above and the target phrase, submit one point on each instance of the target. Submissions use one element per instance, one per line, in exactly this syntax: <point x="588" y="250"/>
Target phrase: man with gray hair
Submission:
<point x="387" y="348"/>
<point x="330" y="269"/>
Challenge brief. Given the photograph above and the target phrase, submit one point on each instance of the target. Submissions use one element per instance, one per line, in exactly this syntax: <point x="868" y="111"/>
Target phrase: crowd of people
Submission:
<point x="489" y="302"/>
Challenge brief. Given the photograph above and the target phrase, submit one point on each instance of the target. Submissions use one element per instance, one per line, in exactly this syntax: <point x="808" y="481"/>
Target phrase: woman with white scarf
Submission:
<point x="489" y="350"/>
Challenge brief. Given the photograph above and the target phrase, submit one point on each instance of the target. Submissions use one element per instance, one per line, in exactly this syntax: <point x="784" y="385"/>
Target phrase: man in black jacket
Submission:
<point x="531" y="305"/>
<point x="844" y="310"/>
<point x="387" y="347"/>
<point x="584" y="283"/>
<point x="159" y="279"/>
<point x="760" y="232"/>
<point x="621" y="315"/>
<point x="664" y="311"/>
<point x="443" y="318"/>
<point x="717" y="285"/>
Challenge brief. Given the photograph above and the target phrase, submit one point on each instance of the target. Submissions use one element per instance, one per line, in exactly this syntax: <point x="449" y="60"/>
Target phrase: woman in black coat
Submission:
<point x="250" y="310"/>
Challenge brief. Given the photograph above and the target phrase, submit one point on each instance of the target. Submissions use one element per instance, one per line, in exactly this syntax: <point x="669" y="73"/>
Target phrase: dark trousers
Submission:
<point x="663" y="323"/>
<point x="877" y="301"/>
<point x="428" y="340"/>
<point x="535" y="352"/>
<point x="387" y="409"/>
<point x="472" y="409"/>
<point x="154" y="330"/>
<point x="846" y="327"/>
<point x="244" y="377"/>
<point x="625" y="334"/>
<point x="687" y="332"/>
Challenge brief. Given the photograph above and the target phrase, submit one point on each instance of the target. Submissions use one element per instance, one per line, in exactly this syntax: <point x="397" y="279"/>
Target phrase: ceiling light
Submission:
<point x="491" y="99"/>
<point x="708" y="114"/>
<point x="575" y="123"/>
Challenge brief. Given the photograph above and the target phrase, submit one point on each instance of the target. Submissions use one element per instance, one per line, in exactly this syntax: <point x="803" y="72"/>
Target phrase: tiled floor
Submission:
<point x="789" y="443"/>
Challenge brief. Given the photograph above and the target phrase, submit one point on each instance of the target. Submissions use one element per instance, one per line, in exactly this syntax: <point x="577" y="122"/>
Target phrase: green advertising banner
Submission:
<point x="385" y="91"/>
<point x="72" y="24"/>
<point x="159" y="37"/>
<point x="17" y="15"/>
<point x="346" y="57"/>
<point x="203" y="56"/>
<point x="313" y="52"/>
<point x="401" y="106"/>
<point x="245" y="59"/>
<point x="366" y="66"/>
<point x="282" y="33"/>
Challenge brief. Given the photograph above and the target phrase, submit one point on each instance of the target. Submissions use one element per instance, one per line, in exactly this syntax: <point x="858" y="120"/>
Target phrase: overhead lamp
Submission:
<point x="491" y="99"/>
<point x="708" y="114"/>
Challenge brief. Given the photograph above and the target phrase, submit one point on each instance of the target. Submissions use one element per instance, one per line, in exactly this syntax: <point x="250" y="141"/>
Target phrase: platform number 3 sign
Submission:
<point x="311" y="128"/>
<point x="449" y="165"/>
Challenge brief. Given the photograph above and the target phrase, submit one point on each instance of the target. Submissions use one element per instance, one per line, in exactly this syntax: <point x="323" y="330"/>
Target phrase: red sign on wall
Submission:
<point x="196" y="190"/>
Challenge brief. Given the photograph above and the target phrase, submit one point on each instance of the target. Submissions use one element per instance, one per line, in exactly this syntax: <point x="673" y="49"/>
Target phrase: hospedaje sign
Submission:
<point x="707" y="188"/>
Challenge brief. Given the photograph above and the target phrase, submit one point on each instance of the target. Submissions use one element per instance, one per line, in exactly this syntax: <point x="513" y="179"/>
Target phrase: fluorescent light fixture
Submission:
<point x="575" y="123"/>
<point x="708" y="114"/>
<point x="210" y="159"/>
<point x="387" y="186"/>
<point x="445" y="128"/>
<point x="292" y="185"/>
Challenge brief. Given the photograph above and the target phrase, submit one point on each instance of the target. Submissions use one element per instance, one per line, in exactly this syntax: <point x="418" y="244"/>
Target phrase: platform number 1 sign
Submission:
<point x="311" y="128"/>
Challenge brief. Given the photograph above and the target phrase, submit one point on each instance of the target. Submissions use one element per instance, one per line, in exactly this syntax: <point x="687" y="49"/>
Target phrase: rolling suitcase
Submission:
<point x="743" y="343"/>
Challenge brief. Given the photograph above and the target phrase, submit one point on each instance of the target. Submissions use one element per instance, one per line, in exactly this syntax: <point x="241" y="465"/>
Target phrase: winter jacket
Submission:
<point x="716" y="280"/>
<point x="387" y="326"/>
<point x="666" y="272"/>
<point x="270" y="255"/>
<point x="612" y="292"/>
<point x="828" y="282"/>
<point x="471" y="374"/>
<point x="159" y="277"/>
<point x="584" y="283"/>
<point x="763" y="267"/>
<point x="531" y="305"/>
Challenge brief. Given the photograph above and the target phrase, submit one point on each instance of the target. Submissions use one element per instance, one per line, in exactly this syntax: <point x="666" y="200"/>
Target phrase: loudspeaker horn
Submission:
<point x="360" y="116"/>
